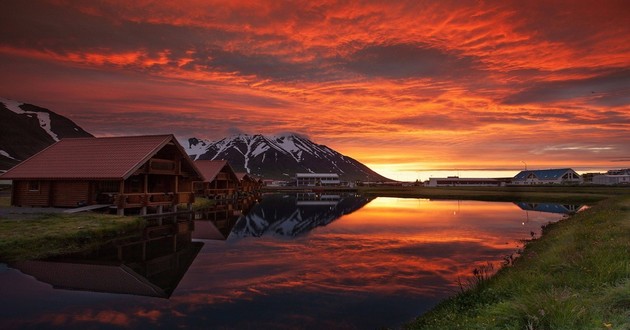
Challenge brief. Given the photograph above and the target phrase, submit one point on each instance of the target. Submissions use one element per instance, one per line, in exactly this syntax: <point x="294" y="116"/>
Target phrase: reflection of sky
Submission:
<point x="379" y="266"/>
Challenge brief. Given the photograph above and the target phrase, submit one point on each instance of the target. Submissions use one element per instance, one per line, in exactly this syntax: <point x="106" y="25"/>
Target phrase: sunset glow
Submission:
<point x="412" y="89"/>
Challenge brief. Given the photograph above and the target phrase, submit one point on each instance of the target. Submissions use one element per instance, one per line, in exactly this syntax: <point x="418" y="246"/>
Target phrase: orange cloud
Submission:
<point x="485" y="83"/>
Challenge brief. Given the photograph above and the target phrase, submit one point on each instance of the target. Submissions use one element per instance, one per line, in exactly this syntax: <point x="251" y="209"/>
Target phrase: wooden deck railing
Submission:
<point x="129" y="200"/>
<point x="220" y="193"/>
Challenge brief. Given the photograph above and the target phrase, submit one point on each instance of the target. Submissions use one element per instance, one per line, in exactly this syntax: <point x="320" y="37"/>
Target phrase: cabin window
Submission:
<point x="33" y="186"/>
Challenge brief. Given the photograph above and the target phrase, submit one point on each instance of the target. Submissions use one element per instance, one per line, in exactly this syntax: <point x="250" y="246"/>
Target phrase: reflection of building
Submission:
<point x="149" y="267"/>
<point x="455" y="181"/>
<point x="303" y="199"/>
<point x="128" y="172"/>
<point x="317" y="179"/>
<point x="286" y="215"/>
<point x="551" y="176"/>
<point x="549" y="207"/>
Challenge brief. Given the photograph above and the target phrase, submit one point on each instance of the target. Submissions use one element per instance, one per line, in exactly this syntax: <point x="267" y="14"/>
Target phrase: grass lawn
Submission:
<point x="576" y="276"/>
<point x="53" y="234"/>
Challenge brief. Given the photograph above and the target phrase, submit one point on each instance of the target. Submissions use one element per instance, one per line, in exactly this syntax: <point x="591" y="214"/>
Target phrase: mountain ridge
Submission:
<point x="27" y="129"/>
<point x="279" y="156"/>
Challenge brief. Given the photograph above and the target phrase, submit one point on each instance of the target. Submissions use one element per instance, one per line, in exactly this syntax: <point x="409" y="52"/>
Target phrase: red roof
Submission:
<point x="108" y="158"/>
<point x="210" y="168"/>
<point x="245" y="176"/>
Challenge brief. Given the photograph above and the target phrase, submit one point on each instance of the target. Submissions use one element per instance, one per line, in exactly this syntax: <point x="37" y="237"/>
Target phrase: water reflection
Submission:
<point x="550" y="207"/>
<point x="151" y="263"/>
<point x="309" y="261"/>
<point x="295" y="215"/>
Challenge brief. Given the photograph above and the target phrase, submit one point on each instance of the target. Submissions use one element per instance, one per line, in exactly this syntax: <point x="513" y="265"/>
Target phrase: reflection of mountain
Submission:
<point x="150" y="268"/>
<point x="216" y="223"/>
<point x="549" y="207"/>
<point x="289" y="215"/>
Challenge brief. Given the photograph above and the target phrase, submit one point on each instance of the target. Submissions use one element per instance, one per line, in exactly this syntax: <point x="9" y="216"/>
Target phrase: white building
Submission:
<point x="551" y="176"/>
<point x="317" y="179"/>
<point x="611" y="179"/>
<point x="455" y="181"/>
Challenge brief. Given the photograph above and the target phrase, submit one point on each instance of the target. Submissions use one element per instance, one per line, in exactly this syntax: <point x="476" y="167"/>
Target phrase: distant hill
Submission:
<point x="26" y="129"/>
<point x="279" y="157"/>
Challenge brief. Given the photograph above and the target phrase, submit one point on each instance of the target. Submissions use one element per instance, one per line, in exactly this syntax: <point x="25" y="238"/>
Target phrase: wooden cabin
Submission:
<point x="219" y="180"/>
<point x="144" y="172"/>
<point x="247" y="183"/>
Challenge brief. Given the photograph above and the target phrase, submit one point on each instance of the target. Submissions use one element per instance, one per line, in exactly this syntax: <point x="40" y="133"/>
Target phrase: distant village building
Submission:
<point x="128" y="172"/>
<point x="455" y="181"/>
<point x="612" y="179"/>
<point x="219" y="179"/>
<point x="317" y="179"/>
<point x="550" y="176"/>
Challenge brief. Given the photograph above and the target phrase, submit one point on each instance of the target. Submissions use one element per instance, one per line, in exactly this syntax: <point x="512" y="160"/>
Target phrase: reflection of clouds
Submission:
<point x="391" y="246"/>
<point x="385" y="263"/>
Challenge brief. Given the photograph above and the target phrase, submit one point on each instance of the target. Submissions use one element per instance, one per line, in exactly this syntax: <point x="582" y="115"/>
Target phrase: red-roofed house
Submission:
<point x="219" y="179"/>
<point x="129" y="172"/>
<point x="247" y="183"/>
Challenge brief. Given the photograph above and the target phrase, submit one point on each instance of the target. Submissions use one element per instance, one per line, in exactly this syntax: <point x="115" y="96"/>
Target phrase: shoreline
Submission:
<point x="575" y="276"/>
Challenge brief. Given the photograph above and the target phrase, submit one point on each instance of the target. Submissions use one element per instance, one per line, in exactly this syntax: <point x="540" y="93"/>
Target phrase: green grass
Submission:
<point x="5" y="201"/>
<point x="576" y="276"/>
<point x="200" y="203"/>
<point x="53" y="234"/>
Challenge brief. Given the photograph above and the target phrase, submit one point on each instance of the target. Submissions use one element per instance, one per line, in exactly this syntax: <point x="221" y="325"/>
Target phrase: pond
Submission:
<point x="307" y="261"/>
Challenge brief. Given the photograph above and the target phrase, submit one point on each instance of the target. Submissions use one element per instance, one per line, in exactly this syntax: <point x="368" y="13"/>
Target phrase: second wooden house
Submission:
<point x="219" y="180"/>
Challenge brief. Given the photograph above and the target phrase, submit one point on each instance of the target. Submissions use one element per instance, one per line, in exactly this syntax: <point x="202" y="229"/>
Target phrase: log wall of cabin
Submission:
<point x="70" y="193"/>
<point x="24" y="196"/>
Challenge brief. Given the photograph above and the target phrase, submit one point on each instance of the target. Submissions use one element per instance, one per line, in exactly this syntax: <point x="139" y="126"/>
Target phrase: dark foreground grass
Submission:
<point x="576" y="276"/>
<point x="54" y="234"/>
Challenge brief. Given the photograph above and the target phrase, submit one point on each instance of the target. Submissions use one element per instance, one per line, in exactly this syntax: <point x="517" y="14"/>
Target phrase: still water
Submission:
<point x="286" y="262"/>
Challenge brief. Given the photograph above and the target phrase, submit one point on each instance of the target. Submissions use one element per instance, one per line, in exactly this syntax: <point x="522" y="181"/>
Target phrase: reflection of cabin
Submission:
<point x="247" y="183"/>
<point x="551" y="176"/>
<point x="219" y="179"/>
<point x="157" y="276"/>
<point x="129" y="172"/>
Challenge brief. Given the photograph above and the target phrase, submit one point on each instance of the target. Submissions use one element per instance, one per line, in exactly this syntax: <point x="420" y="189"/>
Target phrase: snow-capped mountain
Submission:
<point x="279" y="157"/>
<point x="25" y="129"/>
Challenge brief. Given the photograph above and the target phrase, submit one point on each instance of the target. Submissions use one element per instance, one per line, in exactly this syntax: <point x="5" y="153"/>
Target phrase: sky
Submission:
<point x="412" y="89"/>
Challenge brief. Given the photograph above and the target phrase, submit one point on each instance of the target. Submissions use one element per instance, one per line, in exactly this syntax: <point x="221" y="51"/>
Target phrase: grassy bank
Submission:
<point x="576" y="276"/>
<point x="32" y="236"/>
<point x="45" y="235"/>
<point x="559" y="194"/>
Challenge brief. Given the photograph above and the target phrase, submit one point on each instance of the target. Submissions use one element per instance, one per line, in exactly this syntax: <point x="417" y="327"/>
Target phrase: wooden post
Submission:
<point x="145" y="197"/>
<point x="120" y="210"/>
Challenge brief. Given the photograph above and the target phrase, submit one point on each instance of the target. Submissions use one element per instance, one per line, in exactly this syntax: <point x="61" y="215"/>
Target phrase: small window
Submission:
<point x="33" y="186"/>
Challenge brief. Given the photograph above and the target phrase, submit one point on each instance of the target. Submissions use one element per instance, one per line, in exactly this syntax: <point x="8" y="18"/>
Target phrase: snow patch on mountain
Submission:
<point x="43" y="117"/>
<point x="194" y="147"/>
<point x="6" y="154"/>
